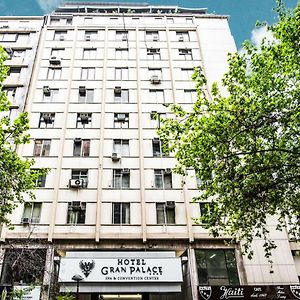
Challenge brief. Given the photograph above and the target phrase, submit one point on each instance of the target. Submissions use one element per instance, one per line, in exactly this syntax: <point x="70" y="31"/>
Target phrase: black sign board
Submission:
<point x="259" y="292"/>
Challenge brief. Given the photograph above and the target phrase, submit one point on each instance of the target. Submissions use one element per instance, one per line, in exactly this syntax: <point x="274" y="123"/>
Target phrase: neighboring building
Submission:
<point x="111" y="210"/>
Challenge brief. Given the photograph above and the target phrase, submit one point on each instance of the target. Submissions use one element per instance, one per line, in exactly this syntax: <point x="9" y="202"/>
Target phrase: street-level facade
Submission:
<point x="111" y="220"/>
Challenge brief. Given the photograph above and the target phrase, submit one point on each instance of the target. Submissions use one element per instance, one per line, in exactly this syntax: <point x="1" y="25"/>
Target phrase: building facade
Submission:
<point x="111" y="220"/>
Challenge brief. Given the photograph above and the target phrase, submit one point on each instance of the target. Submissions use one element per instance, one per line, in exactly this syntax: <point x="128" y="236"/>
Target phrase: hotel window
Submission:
<point x="84" y="120"/>
<point x="57" y="52"/>
<point x="8" y="37"/>
<point x="163" y="179"/>
<point x="121" y="35"/>
<point x="89" y="53"/>
<point x="90" y="35"/>
<point x="182" y="36"/>
<point x="121" y="74"/>
<point x="41" y="180"/>
<point x="54" y="73"/>
<point x="157" y="147"/>
<point x="80" y="174"/>
<point x="185" y="54"/>
<point x="153" y="53"/>
<point x="152" y="35"/>
<point x="187" y="73"/>
<point x="76" y="212"/>
<point x="41" y="147"/>
<point x="121" y="213"/>
<point x="50" y="94"/>
<point x="32" y="213"/>
<point x="155" y="118"/>
<point x="165" y="213"/>
<point x="217" y="267"/>
<point x="121" y="178"/>
<point x="121" y="95"/>
<point x="85" y="95"/>
<point x="121" y="147"/>
<point x="121" y="53"/>
<point x="46" y="120"/>
<point x="81" y="147"/>
<point x="121" y="120"/>
<point x="156" y="96"/>
<point x="190" y="96"/>
<point x="60" y="35"/>
<point x="87" y="74"/>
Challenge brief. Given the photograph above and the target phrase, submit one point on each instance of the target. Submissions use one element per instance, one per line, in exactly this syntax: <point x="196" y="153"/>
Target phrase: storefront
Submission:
<point x="120" y="275"/>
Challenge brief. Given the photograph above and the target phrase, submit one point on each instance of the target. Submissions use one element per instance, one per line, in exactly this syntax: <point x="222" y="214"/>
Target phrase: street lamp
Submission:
<point x="77" y="278"/>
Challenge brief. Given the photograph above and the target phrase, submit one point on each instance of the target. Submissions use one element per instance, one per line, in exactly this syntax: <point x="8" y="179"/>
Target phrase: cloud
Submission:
<point x="258" y="34"/>
<point x="48" y="6"/>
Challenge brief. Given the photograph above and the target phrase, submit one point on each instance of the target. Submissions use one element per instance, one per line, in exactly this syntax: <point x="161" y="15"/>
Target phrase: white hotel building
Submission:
<point x="111" y="210"/>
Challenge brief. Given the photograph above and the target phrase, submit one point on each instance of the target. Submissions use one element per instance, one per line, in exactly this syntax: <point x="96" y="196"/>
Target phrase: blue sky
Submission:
<point x="243" y="13"/>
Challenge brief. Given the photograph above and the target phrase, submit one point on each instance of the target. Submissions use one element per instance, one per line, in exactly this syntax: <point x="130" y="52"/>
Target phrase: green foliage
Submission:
<point x="16" y="177"/>
<point x="65" y="297"/>
<point x="245" y="147"/>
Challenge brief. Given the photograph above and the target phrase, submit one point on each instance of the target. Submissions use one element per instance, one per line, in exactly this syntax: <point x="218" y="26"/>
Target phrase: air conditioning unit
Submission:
<point x="115" y="156"/>
<point x="124" y="37"/>
<point x="82" y="91"/>
<point x="54" y="60"/>
<point x="117" y="90"/>
<point x="61" y="37"/>
<point x="170" y="204"/>
<point x="125" y="171"/>
<point x="181" y="38"/>
<point x="47" y="117"/>
<point x="87" y="37"/>
<point x="25" y="221"/>
<point x="155" y="79"/>
<point x="76" y="205"/>
<point x="84" y="117"/>
<point x="168" y="171"/>
<point x="76" y="183"/>
<point x="155" y="38"/>
<point x="121" y="117"/>
<point x="46" y="90"/>
<point x="77" y="140"/>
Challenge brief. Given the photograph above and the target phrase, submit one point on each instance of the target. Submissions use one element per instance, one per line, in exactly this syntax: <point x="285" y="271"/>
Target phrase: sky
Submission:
<point x="243" y="13"/>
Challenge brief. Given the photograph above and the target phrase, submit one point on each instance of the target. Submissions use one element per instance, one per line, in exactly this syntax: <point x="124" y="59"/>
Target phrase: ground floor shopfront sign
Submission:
<point x="121" y="269"/>
<point x="259" y="292"/>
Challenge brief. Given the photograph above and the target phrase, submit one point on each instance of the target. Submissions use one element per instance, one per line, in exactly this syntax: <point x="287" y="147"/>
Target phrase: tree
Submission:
<point x="17" y="179"/>
<point x="245" y="146"/>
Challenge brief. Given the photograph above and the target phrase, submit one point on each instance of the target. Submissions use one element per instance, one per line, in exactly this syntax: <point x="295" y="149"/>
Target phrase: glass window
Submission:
<point x="182" y="36"/>
<point x="121" y="147"/>
<point x="32" y="213"/>
<point x="165" y="213"/>
<point x="85" y="95"/>
<point x="153" y="54"/>
<point x="8" y="37"/>
<point x="88" y="20"/>
<point x="41" y="147"/>
<point x="121" y="35"/>
<point x="46" y="120"/>
<point x="189" y="20"/>
<point x="50" y="95"/>
<point x="81" y="147"/>
<point x="57" y="52"/>
<point x="185" y="54"/>
<point x="162" y="179"/>
<point x="121" y="74"/>
<point x="76" y="212"/>
<point x="80" y="174"/>
<point x="54" y="73"/>
<point x="14" y="72"/>
<point x="155" y="118"/>
<point x="155" y="72"/>
<point x="121" y="213"/>
<point x="121" y="53"/>
<point x="152" y="35"/>
<point x="216" y="267"/>
<point x="87" y="74"/>
<point x="190" y="96"/>
<point x="187" y="73"/>
<point x="90" y="35"/>
<point x="41" y="180"/>
<point x="89" y="53"/>
<point x="121" y="96"/>
<point x="84" y="120"/>
<point x="60" y="35"/>
<point x="121" y="179"/>
<point x="10" y="93"/>
<point x="170" y="20"/>
<point x="157" y="147"/>
<point x="121" y="120"/>
<point x="156" y="96"/>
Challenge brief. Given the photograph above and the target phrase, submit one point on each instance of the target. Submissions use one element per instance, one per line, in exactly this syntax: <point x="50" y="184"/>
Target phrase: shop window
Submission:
<point x="81" y="147"/>
<point x="121" y="74"/>
<point x="185" y="54"/>
<point x="163" y="179"/>
<point x="87" y="74"/>
<point x="121" y="213"/>
<point x="85" y="95"/>
<point x="121" y="120"/>
<point x="41" y="147"/>
<point x="165" y="212"/>
<point x="121" y="53"/>
<point x="80" y="174"/>
<point x="121" y="178"/>
<point x="121" y="95"/>
<point x="216" y="267"/>
<point x="76" y="212"/>
<point x="121" y="147"/>
<point x="60" y="35"/>
<point x="153" y="54"/>
<point x="89" y="53"/>
<point x="46" y="120"/>
<point x="32" y="213"/>
<point x="84" y="120"/>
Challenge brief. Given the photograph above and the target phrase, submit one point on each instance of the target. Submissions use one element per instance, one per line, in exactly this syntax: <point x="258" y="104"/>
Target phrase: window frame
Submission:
<point x="165" y="215"/>
<point x="42" y="147"/>
<point x="85" y="147"/>
<point x="120" y="179"/>
<point x="123" y="218"/>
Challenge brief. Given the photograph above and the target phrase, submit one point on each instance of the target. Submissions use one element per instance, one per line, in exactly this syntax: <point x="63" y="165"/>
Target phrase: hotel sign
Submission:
<point x="121" y="269"/>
